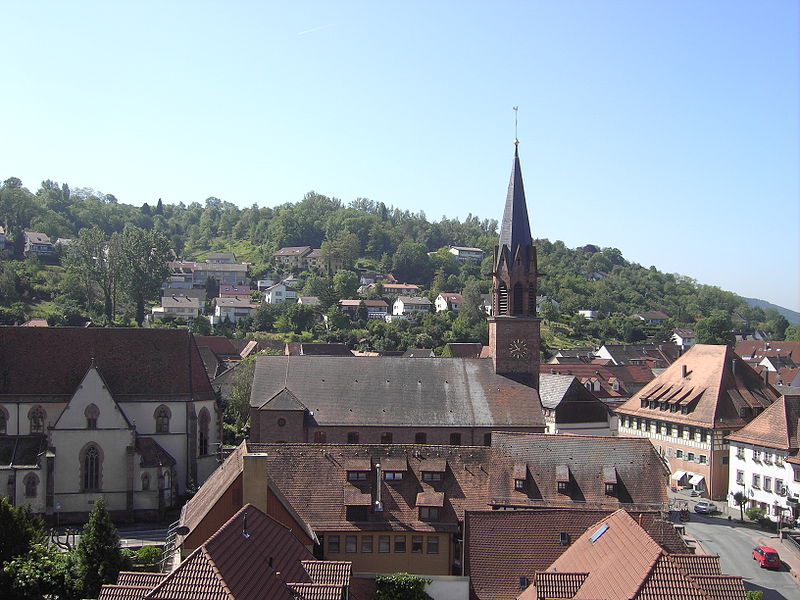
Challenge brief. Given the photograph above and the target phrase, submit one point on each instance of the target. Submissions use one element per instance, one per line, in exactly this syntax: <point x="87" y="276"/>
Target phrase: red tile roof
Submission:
<point x="134" y="578"/>
<point x="219" y="345"/>
<point x="502" y="546"/>
<point x="150" y="363"/>
<point x="718" y="390"/>
<point x="124" y="592"/>
<point x="776" y="427"/>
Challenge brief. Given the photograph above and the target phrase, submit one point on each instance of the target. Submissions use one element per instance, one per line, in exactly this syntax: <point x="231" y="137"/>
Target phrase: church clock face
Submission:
<point x="518" y="349"/>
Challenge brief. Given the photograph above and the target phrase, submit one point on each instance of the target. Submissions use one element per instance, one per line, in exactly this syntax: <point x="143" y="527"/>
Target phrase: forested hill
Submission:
<point x="365" y="234"/>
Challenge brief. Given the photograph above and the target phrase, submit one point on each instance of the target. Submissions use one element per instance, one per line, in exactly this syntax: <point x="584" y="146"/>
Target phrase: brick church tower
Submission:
<point x="514" y="326"/>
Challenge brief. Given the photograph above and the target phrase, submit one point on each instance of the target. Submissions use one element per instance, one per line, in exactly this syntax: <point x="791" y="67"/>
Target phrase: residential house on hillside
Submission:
<point x="279" y="293"/>
<point x="467" y="254"/>
<point x="617" y="559"/>
<point x="124" y="414"/>
<point x="234" y="291"/>
<point x="181" y="275"/>
<point x="227" y="258"/>
<point x="503" y="550"/>
<point x="571" y="408"/>
<point x="764" y="460"/>
<point x="232" y="309"/>
<point x="394" y="288"/>
<point x="224" y="566"/>
<point x="448" y="301"/>
<point x="198" y="293"/>
<point x="690" y="409"/>
<point x="376" y="309"/>
<point x="386" y="400"/>
<point x="486" y="304"/>
<point x="684" y="338"/>
<point x="177" y="307"/>
<point x="612" y="384"/>
<point x="308" y="300"/>
<point x="37" y="244"/>
<point x="655" y="356"/>
<point x="411" y="305"/>
<point x="292" y="258"/>
<point x="652" y="317"/>
<point x="392" y="508"/>
<point x="196" y="274"/>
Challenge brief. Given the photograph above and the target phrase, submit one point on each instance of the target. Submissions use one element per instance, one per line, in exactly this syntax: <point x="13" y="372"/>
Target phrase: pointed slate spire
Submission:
<point x="515" y="230"/>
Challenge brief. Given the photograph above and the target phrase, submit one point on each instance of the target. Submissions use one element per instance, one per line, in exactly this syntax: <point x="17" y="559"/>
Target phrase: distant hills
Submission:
<point x="792" y="316"/>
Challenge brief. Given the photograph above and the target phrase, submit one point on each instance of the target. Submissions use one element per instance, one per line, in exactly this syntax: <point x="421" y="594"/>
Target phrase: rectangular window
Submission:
<point x="757" y="481"/>
<point x="333" y="544"/>
<point x="352" y="437"/>
<point x="399" y="544"/>
<point x="416" y="544"/>
<point x="366" y="544"/>
<point x="767" y="484"/>
<point x="384" y="543"/>
<point x="319" y="437"/>
<point x="678" y="453"/>
<point x="740" y="477"/>
<point x="393" y="475"/>
<point x="724" y="460"/>
<point x="768" y="458"/>
<point x="796" y="474"/>
<point x="691" y="433"/>
<point x="350" y="543"/>
<point x="757" y="455"/>
<point x="487" y="440"/>
<point x="703" y="435"/>
<point x="429" y="513"/>
<point x="680" y="431"/>
<point x="740" y="452"/>
<point x="433" y="544"/>
<point x="562" y="487"/>
<point x="386" y="437"/>
<point x="779" y="487"/>
<point x="669" y="451"/>
<point x="431" y="476"/>
<point x="703" y="459"/>
<point x="455" y="439"/>
<point x="690" y="456"/>
<point x="356" y="476"/>
<point x="421" y="438"/>
<point x="519" y="484"/>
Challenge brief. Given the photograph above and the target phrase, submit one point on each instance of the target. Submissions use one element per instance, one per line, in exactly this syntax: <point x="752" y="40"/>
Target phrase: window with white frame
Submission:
<point x="690" y="456"/>
<point x="678" y="453"/>
<point x="703" y="459"/>
<point x="768" y="457"/>
<point x="767" y="484"/>
<point x="740" y="477"/>
<point x="757" y="481"/>
<point x="740" y="452"/>
<point x="757" y="455"/>
<point x="779" y="489"/>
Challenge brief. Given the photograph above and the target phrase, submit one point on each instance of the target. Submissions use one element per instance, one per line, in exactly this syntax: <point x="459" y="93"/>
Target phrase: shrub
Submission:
<point x="148" y="555"/>
<point x="754" y="513"/>
<point x="401" y="586"/>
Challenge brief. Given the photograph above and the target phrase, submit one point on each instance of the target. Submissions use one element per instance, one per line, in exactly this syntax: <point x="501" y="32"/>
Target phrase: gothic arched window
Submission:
<point x="36" y="417"/>
<point x="31" y="483"/>
<point x="202" y="434"/>
<point x="91" y="413"/>
<point x="517" y="309"/>
<point x="162" y="416"/>
<point x="145" y="481"/>
<point x="502" y="299"/>
<point x="92" y="467"/>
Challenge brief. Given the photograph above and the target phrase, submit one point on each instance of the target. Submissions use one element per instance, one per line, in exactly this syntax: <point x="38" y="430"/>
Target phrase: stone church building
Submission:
<point x="128" y="415"/>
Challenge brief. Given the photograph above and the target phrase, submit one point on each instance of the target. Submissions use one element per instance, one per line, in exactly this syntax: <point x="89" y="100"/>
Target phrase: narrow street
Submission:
<point x="734" y="542"/>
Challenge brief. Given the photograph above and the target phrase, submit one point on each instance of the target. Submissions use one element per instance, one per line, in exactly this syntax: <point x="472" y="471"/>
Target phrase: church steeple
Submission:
<point x="515" y="229"/>
<point x="513" y="326"/>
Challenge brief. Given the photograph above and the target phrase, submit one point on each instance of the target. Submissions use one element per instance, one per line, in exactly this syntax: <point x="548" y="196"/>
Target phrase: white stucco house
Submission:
<point x="279" y="293"/>
<point x="411" y="305"/>
<point x="448" y="301"/>
<point x="764" y="461"/>
<point x="128" y="415"/>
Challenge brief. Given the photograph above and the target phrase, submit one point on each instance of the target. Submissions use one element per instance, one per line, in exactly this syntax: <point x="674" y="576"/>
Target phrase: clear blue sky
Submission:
<point x="666" y="129"/>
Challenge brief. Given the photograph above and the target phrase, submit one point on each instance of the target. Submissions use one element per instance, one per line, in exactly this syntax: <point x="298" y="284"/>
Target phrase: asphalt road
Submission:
<point x="734" y="543"/>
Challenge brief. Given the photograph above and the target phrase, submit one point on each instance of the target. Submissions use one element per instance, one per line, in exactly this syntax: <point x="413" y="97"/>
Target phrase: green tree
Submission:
<point x="337" y="319"/>
<point x="715" y="329"/>
<point x="341" y="252"/>
<point x="99" y="558"/>
<point x="19" y="530"/>
<point x="401" y="586"/>
<point x="345" y="284"/>
<point x="43" y="572"/>
<point x="94" y="258"/>
<point x="411" y="262"/>
<point x="143" y="255"/>
<point x="792" y="333"/>
<point x="776" y="323"/>
<point x="740" y="498"/>
<point x="201" y="325"/>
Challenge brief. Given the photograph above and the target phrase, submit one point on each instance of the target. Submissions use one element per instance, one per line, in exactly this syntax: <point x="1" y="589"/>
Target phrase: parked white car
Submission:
<point x="705" y="507"/>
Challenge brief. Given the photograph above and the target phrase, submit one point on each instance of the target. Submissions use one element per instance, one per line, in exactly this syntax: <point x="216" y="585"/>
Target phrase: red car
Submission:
<point x="767" y="557"/>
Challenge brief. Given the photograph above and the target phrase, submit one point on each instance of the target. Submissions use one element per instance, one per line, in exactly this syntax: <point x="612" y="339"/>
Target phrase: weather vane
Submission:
<point x="516" y="137"/>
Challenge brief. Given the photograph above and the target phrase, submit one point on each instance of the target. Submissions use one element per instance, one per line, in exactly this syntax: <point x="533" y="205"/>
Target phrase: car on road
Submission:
<point x="705" y="507"/>
<point x="767" y="557"/>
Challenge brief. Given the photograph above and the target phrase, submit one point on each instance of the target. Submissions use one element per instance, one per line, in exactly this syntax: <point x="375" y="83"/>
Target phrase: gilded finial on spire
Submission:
<point x="516" y="137"/>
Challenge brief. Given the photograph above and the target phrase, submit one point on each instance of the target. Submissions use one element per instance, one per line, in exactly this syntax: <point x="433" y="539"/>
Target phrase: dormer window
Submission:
<point x="611" y="489"/>
<point x="356" y="476"/>
<point x="519" y="485"/>
<point x="431" y="477"/>
<point x="357" y="469"/>
<point x="393" y="475"/>
<point x="562" y="478"/>
<point x="520" y="476"/>
<point x="644" y="404"/>
<point x="610" y="480"/>
<point x="684" y="410"/>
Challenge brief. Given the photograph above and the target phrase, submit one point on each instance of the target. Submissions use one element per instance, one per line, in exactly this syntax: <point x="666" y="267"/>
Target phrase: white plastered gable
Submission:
<point x="92" y="390"/>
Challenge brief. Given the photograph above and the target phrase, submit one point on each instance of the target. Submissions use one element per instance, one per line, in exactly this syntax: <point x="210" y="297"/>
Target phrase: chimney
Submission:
<point x="684" y="371"/>
<point x="378" y="505"/>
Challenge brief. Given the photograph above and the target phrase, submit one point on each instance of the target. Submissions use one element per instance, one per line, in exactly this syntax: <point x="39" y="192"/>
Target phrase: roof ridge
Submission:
<point x="215" y="569"/>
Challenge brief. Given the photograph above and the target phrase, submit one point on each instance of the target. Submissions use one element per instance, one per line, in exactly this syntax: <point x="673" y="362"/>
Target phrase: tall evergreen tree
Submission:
<point x="99" y="556"/>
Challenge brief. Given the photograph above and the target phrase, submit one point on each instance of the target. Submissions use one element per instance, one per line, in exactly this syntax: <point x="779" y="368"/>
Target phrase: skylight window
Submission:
<point x="596" y="535"/>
